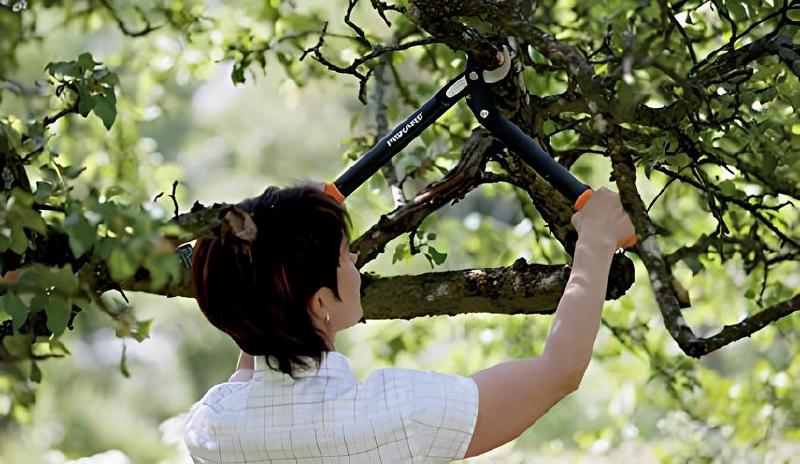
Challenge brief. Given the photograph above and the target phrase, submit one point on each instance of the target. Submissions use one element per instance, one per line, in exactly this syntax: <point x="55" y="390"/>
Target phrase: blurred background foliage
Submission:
<point x="198" y="101"/>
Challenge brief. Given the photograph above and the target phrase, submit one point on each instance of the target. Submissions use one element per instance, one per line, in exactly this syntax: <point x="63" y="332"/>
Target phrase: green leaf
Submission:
<point x="82" y="302"/>
<point x="64" y="68"/>
<point x="57" y="345"/>
<point x="104" y="76"/>
<point x="19" y="241"/>
<point x="15" y="307"/>
<point x="768" y="95"/>
<point x="81" y="234"/>
<point x="537" y="56"/>
<point x="58" y="310"/>
<point x="18" y="345"/>
<point x="43" y="191"/>
<point x="142" y="330"/>
<point x="435" y="255"/>
<point x="29" y="218"/>
<point x="64" y="279"/>
<point x="12" y="136"/>
<point x="694" y="264"/>
<point x="36" y="373"/>
<point x="399" y="253"/>
<point x="736" y="10"/>
<point x="72" y="171"/>
<point x="86" y="100"/>
<point x="120" y="266"/>
<point x="86" y="61"/>
<point x="106" y="107"/>
<point x="40" y="276"/>
<point x="649" y="165"/>
<point x="727" y="187"/>
<point x="158" y="275"/>
<point x="113" y="191"/>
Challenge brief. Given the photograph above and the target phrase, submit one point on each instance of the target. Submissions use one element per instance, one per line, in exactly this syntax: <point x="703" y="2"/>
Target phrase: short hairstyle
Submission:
<point x="260" y="297"/>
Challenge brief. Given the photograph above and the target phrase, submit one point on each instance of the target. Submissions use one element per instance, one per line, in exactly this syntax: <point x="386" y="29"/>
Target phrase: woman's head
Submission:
<point x="289" y="290"/>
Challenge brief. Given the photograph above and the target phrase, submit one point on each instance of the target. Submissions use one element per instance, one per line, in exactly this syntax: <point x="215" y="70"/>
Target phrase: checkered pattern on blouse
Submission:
<point x="396" y="415"/>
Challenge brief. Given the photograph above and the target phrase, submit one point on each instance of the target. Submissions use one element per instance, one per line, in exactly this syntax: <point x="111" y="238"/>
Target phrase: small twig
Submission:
<point x="723" y="12"/>
<point x="172" y="196"/>
<point x="362" y="37"/>
<point x="125" y="30"/>
<point x="174" y="199"/>
<point x="68" y="110"/>
<point x="352" y="68"/>
<point x="681" y="30"/>
<point x="382" y="8"/>
<point x="710" y="197"/>
<point x="21" y="88"/>
<point x="742" y="204"/>
<point x="413" y="249"/>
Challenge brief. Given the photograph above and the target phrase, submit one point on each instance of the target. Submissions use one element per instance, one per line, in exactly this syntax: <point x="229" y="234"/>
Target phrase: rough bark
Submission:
<point x="521" y="288"/>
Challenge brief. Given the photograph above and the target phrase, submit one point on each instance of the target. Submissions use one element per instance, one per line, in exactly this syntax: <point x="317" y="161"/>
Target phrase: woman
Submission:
<point x="280" y="280"/>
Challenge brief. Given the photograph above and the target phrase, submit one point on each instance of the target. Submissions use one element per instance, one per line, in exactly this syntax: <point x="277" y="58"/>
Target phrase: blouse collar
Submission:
<point x="334" y="364"/>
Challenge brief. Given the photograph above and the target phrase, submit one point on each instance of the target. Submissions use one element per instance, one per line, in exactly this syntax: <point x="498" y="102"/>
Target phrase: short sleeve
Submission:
<point x="443" y="413"/>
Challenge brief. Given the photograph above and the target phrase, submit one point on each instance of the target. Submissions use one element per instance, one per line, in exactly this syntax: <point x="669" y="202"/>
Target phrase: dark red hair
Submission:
<point x="258" y="292"/>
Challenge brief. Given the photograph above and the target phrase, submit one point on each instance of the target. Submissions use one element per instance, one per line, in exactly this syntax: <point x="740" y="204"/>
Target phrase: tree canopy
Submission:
<point x="686" y="108"/>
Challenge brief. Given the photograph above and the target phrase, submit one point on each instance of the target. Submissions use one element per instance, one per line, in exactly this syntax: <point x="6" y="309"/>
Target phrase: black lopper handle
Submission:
<point x="481" y="103"/>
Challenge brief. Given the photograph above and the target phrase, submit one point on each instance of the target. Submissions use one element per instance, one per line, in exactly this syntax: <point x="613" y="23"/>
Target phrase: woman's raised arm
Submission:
<point x="515" y="394"/>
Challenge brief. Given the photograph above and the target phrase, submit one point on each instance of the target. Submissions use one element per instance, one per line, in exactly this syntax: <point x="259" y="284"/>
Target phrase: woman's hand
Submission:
<point x="603" y="218"/>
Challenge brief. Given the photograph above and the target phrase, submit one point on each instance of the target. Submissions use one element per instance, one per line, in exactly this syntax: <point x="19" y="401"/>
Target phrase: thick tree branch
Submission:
<point x="648" y="248"/>
<point x="437" y="17"/>
<point x="518" y="289"/>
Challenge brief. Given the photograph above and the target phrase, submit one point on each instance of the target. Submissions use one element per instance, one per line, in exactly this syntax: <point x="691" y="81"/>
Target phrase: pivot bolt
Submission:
<point x="484" y="113"/>
<point x="473" y="76"/>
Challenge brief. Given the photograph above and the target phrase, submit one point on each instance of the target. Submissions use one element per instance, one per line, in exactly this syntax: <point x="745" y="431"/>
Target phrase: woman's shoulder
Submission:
<point x="226" y="395"/>
<point x="419" y="384"/>
<point x="409" y="375"/>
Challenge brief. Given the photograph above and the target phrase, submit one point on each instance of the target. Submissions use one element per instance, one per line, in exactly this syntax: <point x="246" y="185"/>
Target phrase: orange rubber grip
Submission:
<point x="332" y="190"/>
<point x="581" y="202"/>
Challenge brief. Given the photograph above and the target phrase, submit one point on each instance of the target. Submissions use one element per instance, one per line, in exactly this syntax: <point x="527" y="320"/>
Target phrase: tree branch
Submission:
<point x="647" y="248"/>
<point x="148" y="28"/>
<point x="746" y="327"/>
<point x="518" y="289"/>
<point x="452" y="187"/>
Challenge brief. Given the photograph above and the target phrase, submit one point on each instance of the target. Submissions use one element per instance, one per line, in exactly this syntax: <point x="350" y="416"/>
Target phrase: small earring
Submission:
<point x="327" y="318"/>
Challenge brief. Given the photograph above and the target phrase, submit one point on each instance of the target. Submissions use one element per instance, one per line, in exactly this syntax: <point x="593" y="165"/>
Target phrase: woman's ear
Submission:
<point x="320" y="304"/>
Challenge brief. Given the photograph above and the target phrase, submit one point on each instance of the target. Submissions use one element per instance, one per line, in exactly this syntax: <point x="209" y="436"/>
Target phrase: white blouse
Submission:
<point x="396" y="415"/>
